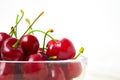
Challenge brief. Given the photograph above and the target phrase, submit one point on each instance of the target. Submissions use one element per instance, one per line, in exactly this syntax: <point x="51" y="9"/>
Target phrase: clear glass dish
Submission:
<point x="43" y="70"/>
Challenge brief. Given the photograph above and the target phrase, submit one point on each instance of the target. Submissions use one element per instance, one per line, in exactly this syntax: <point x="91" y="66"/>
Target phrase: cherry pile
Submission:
<point x="27" y="49"/>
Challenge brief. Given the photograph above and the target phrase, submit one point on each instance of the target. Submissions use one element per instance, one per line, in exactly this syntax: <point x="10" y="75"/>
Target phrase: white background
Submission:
<point x="93" y="24"/>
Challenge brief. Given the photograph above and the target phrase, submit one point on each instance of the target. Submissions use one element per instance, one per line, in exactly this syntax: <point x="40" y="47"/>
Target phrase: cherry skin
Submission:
<point x="62" y="49"/>
<point x="56" y="72"/>
<point x="7" y="71"/>
<point x="30" y="44"/>
<point x="35" y="57"/>
<point x="3" y="37"/>
<point x="72" y="69"/>
<point x="8" y="52"/>
<point x="34" y="70"/>
<point x="39" y="56"/>
<point x="43" y="53"/>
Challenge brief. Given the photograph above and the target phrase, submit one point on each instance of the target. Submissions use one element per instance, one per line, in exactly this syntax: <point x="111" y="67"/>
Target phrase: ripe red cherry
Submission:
<point x="72" y="69"/>
<point x="34" y="71"/>
<point x="56" y="72"/>
<point x="35" y="57"/>
<point x="30" y="44"/>
<point x="3" y="37"/>
<point x="43" y="53"/>
<point x="7" y="71"/>
<point x="63" y="49"/>
<point x="8" y="52"/>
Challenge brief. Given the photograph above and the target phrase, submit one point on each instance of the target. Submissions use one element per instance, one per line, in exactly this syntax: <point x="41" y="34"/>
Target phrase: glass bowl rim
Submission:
<point x="82" y="59"/>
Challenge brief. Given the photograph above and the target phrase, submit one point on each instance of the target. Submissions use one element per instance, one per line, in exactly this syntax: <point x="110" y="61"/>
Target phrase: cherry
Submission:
<point x="56" y="72"/>
<point x="63" y="49"/>
<point x="30" y="44"/>
<point x="35" y="57"/>
<point x="7" y="71"/>
<point x="72" y="69"/>
<point x="34" y="71"/>
<point x="42" y="53"/>
<point x="9" y="52"/>
<point x="3" y="37"/>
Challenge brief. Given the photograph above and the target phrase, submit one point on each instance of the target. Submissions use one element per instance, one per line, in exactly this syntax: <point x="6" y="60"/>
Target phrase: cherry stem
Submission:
<point x="28" y="21"/>
<point x="33" y="23"/>
<point x="81" y="50"/>
<point x="12" y="31"/>
<point x="32" y="31"/>
<point x="17" y="22"/>
<point x="52" y="58"/>
<point x="50" y="30"/>
<point x="15" y="45"/>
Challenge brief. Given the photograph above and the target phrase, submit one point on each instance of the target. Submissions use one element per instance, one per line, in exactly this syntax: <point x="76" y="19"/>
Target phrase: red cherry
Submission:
<point x="3" y="37"/>
<point x="30" y="44"/>
<point x="63" y="49"/>
<point x="72" y="69"/>
<point x="34" y="71"/>
<point x="8" y="52"/>
<point x="35" y="57"/>
<point x="43" y="53"/>
<point x="7" y="71"/>
<point x="56" y="72"/>
<point x="52" y="43"/>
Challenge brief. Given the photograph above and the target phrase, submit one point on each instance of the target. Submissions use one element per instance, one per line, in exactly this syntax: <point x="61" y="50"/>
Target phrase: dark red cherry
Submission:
<point x="63" y="49"/>
<point x="3" y="37"/>
<point x="34" y="71"/>
<point x="56" y="72"/>
<point x="35" y="57"/>
<point x="7" y="71"/>
<point x="30" y="44"/>
<point x="72" y="69"/>
<point x="9" y="52"/>
<point x="43" y="53"/>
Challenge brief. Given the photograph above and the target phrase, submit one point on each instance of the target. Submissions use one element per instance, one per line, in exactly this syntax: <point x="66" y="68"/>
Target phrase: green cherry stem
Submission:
<point x="17" y="22"/>
<point x="12" y="31"/>
<point x="50" y="30"/>
<point x="33" y="23"/>
<point x="28" y="21"/>
<point x="81" y="50"/>
<point x="15" y="45"/>
<point x="32" y="31"/>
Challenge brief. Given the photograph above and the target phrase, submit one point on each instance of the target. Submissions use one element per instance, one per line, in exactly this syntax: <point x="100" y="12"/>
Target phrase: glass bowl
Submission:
<point x="43" y="70"/>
